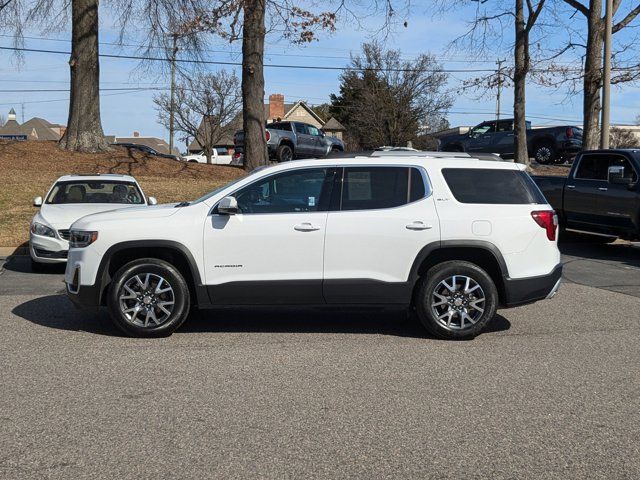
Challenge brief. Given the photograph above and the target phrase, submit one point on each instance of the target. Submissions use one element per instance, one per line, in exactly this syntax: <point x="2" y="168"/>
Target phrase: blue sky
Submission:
<point x="123" y="113"/>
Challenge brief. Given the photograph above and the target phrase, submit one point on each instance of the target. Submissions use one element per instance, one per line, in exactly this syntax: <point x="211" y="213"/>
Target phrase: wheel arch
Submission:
<point x="483" y="254"/>
<point x="172" y="252"/>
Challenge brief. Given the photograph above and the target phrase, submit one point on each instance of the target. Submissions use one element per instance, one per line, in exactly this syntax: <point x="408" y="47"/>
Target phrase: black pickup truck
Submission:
<point x="600" y="196"/>
<point x="545" y="145"/>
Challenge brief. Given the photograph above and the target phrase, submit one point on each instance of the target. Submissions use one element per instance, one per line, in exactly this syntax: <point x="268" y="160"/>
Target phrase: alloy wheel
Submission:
<point x="458" y="302"/>
<point x="543" y="155"/>
<point x="146" y="300"/>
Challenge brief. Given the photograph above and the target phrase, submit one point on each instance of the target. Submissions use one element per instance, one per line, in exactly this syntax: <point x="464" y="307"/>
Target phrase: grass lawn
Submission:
<point x="27" y="170"/>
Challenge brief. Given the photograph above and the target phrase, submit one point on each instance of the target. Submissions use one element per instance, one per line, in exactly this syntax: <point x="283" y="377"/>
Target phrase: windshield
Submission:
<point x="95" y="191"/>
<point x="217" y="190"/>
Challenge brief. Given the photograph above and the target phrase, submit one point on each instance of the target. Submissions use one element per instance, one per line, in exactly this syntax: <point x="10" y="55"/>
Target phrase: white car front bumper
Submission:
<point x="48" y="249"/>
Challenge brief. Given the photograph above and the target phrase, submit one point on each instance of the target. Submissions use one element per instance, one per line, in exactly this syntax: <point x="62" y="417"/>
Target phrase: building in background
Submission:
<point x="158" y="144"/>
<point x="33" y="129"/>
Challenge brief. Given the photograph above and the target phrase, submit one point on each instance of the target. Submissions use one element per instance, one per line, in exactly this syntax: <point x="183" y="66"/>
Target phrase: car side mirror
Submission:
<point x="37" y="202"/>
<point x="228" y="206"/>
<point x="616" y="176"/>
<point x="152" y="201"/>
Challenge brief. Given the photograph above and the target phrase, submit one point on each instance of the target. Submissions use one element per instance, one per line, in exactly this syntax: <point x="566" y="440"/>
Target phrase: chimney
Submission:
<point x="276" y="106"/>
<point x="136" y="134"/>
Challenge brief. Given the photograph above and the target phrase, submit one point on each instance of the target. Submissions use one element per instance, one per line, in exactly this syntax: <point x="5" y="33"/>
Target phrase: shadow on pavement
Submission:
<point x="22" y="264"/>
<point x="623" y="253"/>
<point x="56" y="311"/>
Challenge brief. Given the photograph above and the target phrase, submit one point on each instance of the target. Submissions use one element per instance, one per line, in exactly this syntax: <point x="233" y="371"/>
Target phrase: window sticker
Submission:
<point x="312" y="202"/>
<point x="359" y="185"/>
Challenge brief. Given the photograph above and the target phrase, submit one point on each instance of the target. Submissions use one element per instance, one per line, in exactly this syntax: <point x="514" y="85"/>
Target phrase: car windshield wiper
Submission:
<point x="183" y="204"/>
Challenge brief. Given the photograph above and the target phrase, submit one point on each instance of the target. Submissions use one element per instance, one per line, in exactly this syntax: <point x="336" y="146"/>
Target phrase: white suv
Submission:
<point x="70" y="198"/>
<point x="453" y="238"/>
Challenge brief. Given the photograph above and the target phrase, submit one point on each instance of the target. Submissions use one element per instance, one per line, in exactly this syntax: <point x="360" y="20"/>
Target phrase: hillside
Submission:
<point x="27" y="170"/>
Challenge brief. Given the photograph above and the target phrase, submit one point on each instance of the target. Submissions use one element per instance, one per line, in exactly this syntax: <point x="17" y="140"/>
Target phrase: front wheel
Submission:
<point x="148" y="298"/>
<point x="456" y="300"/>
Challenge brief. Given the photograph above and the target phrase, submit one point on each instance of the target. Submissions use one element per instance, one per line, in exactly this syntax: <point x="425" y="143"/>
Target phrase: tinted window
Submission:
<point x="366" y="188"/>
<point x="280" y="126"/>
<point x="596" y="167"/>
<point x="313" y="131"/>
<point x="301" y="128"/>
<point x="290" y="192"/>
<point x="483" y="128"/>
<point x="417" y="190"/>
<point x="475" y="185"/>
<point x="95" y="191"/>
<point x="505" y="126"/>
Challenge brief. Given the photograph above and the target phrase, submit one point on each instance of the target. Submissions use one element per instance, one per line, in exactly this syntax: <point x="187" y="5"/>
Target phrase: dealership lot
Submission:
<point x="549" y="391"/>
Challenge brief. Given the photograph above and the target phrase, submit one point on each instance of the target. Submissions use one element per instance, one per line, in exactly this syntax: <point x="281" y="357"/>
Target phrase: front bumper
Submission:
<point x="48" y="249"/>
<point x="520" y="291"/>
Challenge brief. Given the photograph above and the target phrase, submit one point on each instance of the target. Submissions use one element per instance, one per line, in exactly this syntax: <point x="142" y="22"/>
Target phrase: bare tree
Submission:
<point x="3" y="119"/>
<point x="385" y="100"/>
<point x="486" y="32"/>
<point x="592" y="76"/>
<point x="206" y="107"/>
<point x="622" y="138"/>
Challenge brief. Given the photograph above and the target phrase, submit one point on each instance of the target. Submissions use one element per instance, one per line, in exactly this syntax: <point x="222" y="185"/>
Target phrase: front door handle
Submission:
<point x="306" y="227"/>
<point x="571" y="186"/>
<point x="418" y="226"/>
<point x="603" y="189"/>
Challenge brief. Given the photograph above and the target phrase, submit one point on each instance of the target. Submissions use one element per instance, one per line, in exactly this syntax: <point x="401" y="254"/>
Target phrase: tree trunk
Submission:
<point x="253" y="118"/>
<point x="521" y="59"/>
<point x="84" y="129"/>
<point x="592" y="77"/>
<point x="208" y="152"/>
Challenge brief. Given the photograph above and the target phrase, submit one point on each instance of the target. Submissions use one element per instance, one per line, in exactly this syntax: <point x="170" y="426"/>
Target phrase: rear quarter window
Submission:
<point x="491" y="186"/>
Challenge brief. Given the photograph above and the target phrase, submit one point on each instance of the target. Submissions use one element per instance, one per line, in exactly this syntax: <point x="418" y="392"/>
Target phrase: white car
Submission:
<point x="70" y="198"/>
<point x="452" y="238"/>
<point x="220" y="156"/>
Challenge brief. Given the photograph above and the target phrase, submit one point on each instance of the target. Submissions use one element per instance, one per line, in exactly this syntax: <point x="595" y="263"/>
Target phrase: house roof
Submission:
<point x="303" y="104"/>
<point x="40" y="129"/>
<point x="227" y="139"/>
<point x="12" y="128"/>
<point x="333" y="124"/>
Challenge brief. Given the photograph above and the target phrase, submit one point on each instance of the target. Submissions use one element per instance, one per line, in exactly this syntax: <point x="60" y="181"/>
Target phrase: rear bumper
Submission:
<point x="520" y="291"/>
<point x="571" y="147"/>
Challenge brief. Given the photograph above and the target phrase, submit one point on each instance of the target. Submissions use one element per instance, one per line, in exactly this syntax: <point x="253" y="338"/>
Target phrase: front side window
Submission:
<point x="482" y="129"/>
<point x="95" y="191"/>
<point x="307" y="190"/>
<point x="313" y="131"/>
<point x="596" y="167"/>
<point x="371" y="188"/>
<point x="492" y="186"/>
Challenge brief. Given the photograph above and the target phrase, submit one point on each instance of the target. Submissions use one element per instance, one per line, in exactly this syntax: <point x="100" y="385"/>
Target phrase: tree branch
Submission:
<point x="578" y="6"/>
<point x="626" y="20"/>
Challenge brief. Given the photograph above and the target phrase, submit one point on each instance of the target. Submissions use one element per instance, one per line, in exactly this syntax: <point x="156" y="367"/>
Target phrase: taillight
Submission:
<point x="569" y="132"/>
<point x="267" y="135"/>
<point x="548" y="220"/>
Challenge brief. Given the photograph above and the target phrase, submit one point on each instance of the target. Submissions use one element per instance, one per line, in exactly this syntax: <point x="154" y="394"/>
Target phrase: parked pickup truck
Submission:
<point x="219" y="156"/>
<point x="289" y="140"/>
<point x="601" y="195"/>
<point x="545" y="145"/>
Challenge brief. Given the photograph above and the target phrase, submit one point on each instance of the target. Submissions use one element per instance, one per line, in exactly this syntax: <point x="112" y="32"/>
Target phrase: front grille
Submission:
<point x="64" y="234"/>
<point x="49" y="254"/>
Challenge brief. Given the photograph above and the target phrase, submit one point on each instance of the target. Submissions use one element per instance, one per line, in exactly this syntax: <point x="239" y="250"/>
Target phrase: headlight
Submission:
<point x="81" y="239"/>
<point x="42" y="230"/>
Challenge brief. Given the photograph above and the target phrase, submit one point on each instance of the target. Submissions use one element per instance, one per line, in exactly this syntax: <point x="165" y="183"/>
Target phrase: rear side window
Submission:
<point x="596" y="167"/>
<point x="371" y="188"/>
<point x="478" y="185"/>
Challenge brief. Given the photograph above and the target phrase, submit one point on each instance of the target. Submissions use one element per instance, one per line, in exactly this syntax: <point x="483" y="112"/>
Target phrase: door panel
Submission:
<point x="369" y="252"/>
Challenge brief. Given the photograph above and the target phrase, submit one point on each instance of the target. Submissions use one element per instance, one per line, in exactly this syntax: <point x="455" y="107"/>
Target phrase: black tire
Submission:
<point x="284" y="153"/>
<point x="481" y="312"/>
<point x="155" y="268"/>
<point x="545" y="154"/>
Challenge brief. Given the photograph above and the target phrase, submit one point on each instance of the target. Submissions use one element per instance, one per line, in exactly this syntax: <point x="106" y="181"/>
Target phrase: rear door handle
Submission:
<point x="418" y="226"/>
<point x="571" y="186"/>
<point x="306" y="227"/>
<point x="603" y="189"/>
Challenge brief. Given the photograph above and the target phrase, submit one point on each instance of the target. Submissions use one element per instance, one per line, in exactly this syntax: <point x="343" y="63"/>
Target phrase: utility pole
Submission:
<point x="606" y="77"/>
<point x="499" y="63"/>
<point x="174" y="51"/>
<point x="22" y="111"/>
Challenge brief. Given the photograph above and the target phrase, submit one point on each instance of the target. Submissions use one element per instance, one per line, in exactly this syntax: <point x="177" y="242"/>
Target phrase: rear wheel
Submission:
<point x="456" y="300"/>
<point x="284" y="153"/>
<point x="148" y="298"/>
<point x="544" y="154"/>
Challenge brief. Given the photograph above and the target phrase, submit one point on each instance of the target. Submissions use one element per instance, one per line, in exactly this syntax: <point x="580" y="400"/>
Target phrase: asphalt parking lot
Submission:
<point x="549" y="391"/>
